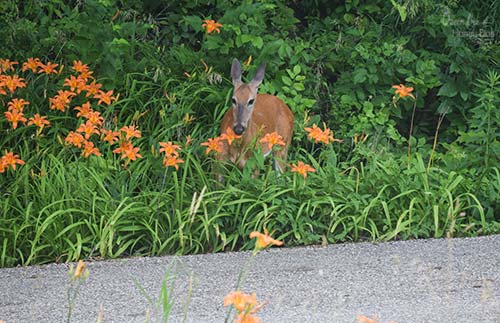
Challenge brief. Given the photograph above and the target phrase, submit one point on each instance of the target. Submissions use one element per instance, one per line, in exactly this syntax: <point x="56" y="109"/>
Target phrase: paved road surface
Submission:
<point x="419" y="281"/>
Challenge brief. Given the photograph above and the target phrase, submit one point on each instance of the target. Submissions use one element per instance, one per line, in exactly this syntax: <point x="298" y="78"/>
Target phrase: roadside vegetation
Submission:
<point x="108" y="109"/>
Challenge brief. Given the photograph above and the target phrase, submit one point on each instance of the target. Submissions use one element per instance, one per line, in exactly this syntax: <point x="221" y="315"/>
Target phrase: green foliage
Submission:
<point x="333" y="64"/>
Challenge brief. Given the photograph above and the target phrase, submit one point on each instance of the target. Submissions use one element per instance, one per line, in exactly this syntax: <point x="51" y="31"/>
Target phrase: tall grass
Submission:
<point x="90" y="209"/>
<point x="60" y="206"/>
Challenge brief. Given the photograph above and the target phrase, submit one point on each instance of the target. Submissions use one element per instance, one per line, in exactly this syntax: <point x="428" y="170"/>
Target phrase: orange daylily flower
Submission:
<point x="9" y="159"/>
<point x="247" y="318"/>
<point x="12" y="82"/>
<point x="62" y="100"/>
<point x="39" y="121"/>
<point x="172" y="160"/>
<point x="49" y="68"/>
<point x="403" y="91"/>
<point x="131" y="131"/>
<point x="106" y="97"/>
<point x="229" y="135"/>
<point x="242" y="302"/>
<point x="31" y="64"/>
<point x="169" y="149"/>
<point x="6" y="64"/>
<point x="211" y="26"/>
<point x="302" y="169"/>
<point x="15" y="116"/>
<point x="75" y="139"/>
<point x="272" y="139"/>
<point x="364" y="319"/>
<point x="318" y="135"/>
<point x="110" y="136"/>
<point x="86" y="75"/>
<point x="75" y="83"/>
<point x="214" y="144"/>
<point x="84" y="110"/>
<point x="17" y="104"/>
<point x="128" y="151"/>
<point x="89" y="149"/>
<point x="264" y="239"/>
<point x="246" y="305"/>
<point x="92" y="88"/>
<point x="79" y="67"/>
<point x="88" y="128"/>
<point x="95" y="118"/>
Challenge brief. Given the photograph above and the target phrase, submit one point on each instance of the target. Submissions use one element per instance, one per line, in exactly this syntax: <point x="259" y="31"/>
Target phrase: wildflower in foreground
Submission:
<point x="240" y="301"/>
<point x="214" y="144"/>
<point x="403" y="91"/>
<point x="364" y="319"/>
<point x="302" y="169"/>
<point x="246" y="318"/>
<point x="264" y="240"/>
<point x="229" y="135"/>
<point x="211" y="26"/>
<point x="272" y="139"/>
<point x="246" y="305"/>
<point x="9" y="159"/>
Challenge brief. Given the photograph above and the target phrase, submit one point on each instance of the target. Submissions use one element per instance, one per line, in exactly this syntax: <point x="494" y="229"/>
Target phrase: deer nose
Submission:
<point x="238" y="129"/>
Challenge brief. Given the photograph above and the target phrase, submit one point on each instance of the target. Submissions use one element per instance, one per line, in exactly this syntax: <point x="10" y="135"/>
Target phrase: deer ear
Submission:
<point x="236" y="73"/>
<point x="259" y="76"/>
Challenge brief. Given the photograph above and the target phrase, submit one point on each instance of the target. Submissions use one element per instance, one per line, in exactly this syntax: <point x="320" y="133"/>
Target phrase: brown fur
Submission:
<point x="270" y="114"/>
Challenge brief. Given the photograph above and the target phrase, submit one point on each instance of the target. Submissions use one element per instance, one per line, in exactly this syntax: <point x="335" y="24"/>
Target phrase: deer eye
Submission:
<point x="233" y="100"/>
<point x="251" y="101"/>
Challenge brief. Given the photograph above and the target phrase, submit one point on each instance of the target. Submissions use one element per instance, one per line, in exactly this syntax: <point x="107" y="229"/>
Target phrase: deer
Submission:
<point x="253" y="115"/>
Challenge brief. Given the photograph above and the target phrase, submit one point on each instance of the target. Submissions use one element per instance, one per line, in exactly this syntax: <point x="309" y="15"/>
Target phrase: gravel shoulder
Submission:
<point x="417" y="281"/>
